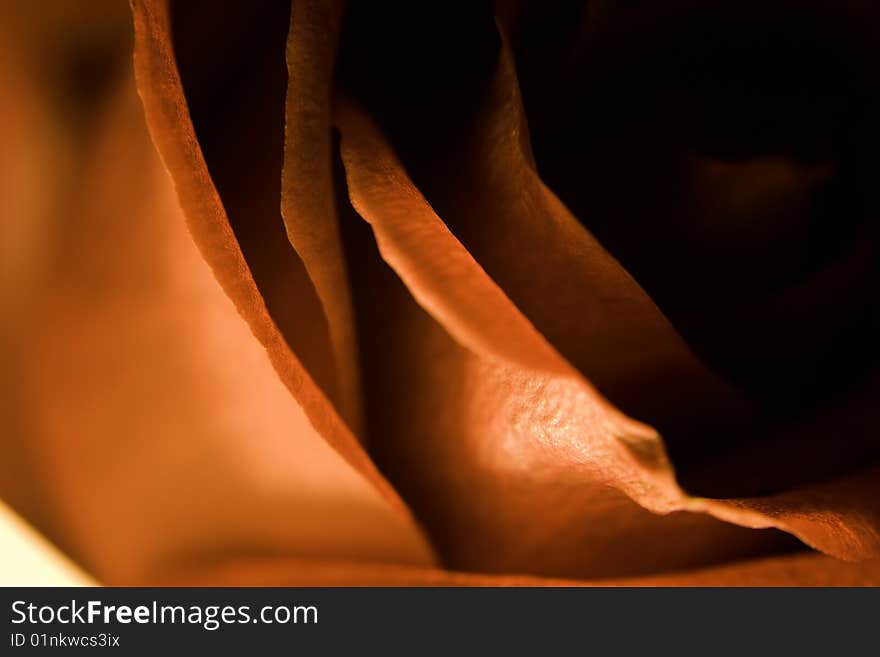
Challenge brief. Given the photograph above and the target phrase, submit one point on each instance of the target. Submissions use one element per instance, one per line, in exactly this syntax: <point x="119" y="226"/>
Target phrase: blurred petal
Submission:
<point x="152" y="430"/>
<point x="795" y="570"/>
<point x="487" y="362"/>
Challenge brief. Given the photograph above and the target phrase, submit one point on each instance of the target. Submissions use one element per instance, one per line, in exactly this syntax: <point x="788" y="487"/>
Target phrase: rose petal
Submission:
<point x="152" y="429"/>
<point x="505" y="452"/>
<point x="307" y="201"/>
<point x="230" y="63"/>
<point x="528" y="412"/>
<point x="794" y="570"/>
<point x="654" y="128"/>
<point x="172" y="130"/>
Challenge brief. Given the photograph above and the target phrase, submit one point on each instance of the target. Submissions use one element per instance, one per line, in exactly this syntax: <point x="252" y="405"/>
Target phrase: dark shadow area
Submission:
<point x="232" y="65"/>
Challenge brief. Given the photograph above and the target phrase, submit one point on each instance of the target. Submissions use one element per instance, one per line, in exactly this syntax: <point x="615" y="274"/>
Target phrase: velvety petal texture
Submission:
<point x="154" y="430"/>
<point x="314" y="293"/>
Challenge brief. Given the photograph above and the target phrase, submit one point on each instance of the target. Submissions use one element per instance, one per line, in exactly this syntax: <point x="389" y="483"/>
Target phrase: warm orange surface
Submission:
<point x="446" y="429"/>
